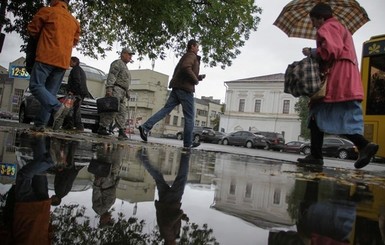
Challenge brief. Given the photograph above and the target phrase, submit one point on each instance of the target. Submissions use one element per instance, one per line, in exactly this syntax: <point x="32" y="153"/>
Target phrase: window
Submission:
<point x="241" y="105"/>
<point x="196" y="123"/>
<point x="249" y="188"/>
<point x="203" y="123"/>
<point x="16" y="104"/>
<point x="167" y="119"/>
<point x="175" y="121"/>
<point x="257" y="106"/>
<point x="286" y="106"/>
<point x="277" y="196"/>
<point x="232" y="188"/>
<point x="182" y="122"/>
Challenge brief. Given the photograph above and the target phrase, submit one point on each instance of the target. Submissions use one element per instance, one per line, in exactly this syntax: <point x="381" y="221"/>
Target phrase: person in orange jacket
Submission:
<point x="57" y="32"/>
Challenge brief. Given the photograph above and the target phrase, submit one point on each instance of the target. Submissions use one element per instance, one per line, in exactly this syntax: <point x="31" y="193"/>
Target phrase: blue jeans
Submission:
<point x="44" y="83"/>
<point x="177" y="96"/>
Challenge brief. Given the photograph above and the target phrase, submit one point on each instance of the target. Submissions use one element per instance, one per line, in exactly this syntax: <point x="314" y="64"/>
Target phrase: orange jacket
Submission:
<point x="58" y="31"/>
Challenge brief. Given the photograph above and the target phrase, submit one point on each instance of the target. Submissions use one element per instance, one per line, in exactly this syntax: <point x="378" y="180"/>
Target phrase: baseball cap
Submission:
<point x="127" y="50"/>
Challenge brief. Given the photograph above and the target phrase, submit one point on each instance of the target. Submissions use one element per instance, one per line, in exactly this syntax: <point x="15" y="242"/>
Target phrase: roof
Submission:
<point x="278" y="77"/>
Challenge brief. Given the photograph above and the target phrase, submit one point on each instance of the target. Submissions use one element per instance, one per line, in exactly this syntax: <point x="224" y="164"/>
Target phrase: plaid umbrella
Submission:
<point x="294" y="19"/>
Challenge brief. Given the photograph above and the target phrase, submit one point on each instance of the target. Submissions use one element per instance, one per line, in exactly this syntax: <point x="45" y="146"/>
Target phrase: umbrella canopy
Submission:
<point x="294" y="19"/>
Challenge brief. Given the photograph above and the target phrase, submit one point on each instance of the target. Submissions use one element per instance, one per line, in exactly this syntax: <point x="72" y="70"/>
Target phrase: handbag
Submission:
<point x="99" y="168"/>
<point x="303" y="78"/>
<point x="108" y="104"/>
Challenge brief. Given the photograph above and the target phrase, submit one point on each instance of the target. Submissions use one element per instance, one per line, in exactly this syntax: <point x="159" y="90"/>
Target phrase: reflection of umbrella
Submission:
<point x="294" y="19"/>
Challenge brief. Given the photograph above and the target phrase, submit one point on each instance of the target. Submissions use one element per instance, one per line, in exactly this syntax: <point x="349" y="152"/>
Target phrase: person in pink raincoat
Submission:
<point x="339" y="112"/>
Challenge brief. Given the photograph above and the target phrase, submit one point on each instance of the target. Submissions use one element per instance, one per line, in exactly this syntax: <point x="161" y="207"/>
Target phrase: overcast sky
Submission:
<point x="268" y="51"/>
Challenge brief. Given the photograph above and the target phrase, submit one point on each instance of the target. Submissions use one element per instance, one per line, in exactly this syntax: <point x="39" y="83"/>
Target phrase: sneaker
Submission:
<point x="122" y="135"/>
<point x="195" y="144"/>
<point x="35" y="128"/>
<point x="366" y="154"/>
<point x="103" y="131"/>
<point x="143" y="133"/>
<point x="311" y="160"/>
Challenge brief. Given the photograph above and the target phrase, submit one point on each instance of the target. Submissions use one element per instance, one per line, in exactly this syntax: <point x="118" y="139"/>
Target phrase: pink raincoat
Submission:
<point x="335" y="46"/>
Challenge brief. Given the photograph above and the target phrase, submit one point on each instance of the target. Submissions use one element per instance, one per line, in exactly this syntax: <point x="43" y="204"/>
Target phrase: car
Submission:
<point x="30" y="106"/>
<point x="6" y="115"/>
<point x="211" y="136"/>
<point x="275" y="141"/>
<point x="293" y="146"/>
<point x="245" y="138"/>
<point x="197" y="133"/>
<point x="335" y="147"/>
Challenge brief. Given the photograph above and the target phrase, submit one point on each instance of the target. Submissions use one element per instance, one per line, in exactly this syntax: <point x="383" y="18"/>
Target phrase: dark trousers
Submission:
<point x="317" y="138"/>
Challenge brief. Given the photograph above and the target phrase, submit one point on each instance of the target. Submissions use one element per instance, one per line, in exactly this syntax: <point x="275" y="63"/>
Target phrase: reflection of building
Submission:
<point x="254" y="192"/>
<point x="259" y="104"/>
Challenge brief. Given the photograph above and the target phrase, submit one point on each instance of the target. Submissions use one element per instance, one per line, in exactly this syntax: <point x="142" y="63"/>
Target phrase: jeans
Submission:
<point x="44" y="83"/>
<point x="177" y="96"/>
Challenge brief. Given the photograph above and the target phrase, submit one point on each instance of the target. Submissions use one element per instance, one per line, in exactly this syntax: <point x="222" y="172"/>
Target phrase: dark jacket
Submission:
<point x="186" y="72"/>
<point x="77" y="82"/>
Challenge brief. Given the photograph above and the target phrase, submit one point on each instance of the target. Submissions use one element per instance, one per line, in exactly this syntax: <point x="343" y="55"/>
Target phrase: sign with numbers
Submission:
<point x="18" y="72"/>
<point x="8" y="169"/>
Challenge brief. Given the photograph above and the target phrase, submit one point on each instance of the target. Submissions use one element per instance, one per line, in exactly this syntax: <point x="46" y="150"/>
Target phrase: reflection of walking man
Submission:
<point x="57" y="32"/>
<point x="118" y="82"/>
<point x="185" y="77"/>
<point x="168" y="206"/>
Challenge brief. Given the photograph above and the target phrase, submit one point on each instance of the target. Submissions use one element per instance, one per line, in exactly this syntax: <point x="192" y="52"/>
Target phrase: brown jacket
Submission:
<point x="58" y="31"/>
<point x="186" y="72"/>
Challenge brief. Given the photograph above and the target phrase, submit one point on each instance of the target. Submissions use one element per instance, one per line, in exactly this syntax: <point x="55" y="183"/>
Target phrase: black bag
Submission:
<point x="108" y="104"/>
<point x="99" y="168"/>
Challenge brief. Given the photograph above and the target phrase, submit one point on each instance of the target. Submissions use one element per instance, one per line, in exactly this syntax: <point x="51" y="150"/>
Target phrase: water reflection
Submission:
<point x="169" y="214"/>
<point x="148" y="194"/>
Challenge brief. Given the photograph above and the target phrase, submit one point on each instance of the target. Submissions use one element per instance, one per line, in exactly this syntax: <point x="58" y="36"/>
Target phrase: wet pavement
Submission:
<point x="78" y="188"/>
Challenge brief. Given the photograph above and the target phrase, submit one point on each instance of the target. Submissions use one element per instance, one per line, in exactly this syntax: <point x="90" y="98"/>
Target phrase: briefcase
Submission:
<point x="108" y="104"/>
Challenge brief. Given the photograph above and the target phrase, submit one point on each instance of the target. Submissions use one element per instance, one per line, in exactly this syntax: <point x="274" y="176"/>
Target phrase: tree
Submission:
<point x="152" y="27"/>
<point x="301" y="107"/>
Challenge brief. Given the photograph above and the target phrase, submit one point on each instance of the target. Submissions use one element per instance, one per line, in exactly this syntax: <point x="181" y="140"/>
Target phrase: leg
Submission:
<point x="316" y="139"/>
<point x="77" y="116"/>
<point x="187" y="101"/>
<point x="172" y="101"/>
<point x="44" y="84"/>
<point x="367" y="150"/>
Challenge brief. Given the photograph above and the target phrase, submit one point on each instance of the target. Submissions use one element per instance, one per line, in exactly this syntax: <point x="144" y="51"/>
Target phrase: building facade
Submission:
<point x="259" y="104"/>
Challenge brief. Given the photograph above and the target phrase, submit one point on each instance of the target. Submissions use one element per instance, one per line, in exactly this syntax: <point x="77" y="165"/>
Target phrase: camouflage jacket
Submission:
<point x="119" y="75"/>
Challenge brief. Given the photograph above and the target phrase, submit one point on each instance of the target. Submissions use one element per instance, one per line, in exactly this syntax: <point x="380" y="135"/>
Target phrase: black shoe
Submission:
<point x="35" y="128"/>
<point x="103" y="131"/>
<point x="366" y="154"/>
<point x="195" y="144"/>
<point x="311" y="160"/>
<point x="143" y="133"/>
<point x="122" y="135"/>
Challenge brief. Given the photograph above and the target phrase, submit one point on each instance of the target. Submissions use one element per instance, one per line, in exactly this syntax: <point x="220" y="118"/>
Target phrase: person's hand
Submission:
<point x="201" y="77"/>
<point x="306" y="51"/>
<point x="108" y="92"/>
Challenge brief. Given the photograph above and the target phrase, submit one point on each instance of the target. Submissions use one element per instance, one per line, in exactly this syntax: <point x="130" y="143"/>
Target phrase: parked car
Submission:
<point x="211" y="136"/>
<point x="275" y="141"/>
<point x="197" y="133"/>
<point x="293" y="146"/>
<point x="245" y="138"/>
<point x="6" y="115"/>
<point x="30" y="107"/>
<point x="335" y="147"/>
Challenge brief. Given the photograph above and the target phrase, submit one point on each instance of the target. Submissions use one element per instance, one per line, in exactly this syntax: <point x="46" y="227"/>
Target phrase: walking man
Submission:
<point x="185" y="77"/>
<point x="77" y="86"/>
<point x="57" y="32"/>
<point x="118" y="81"/>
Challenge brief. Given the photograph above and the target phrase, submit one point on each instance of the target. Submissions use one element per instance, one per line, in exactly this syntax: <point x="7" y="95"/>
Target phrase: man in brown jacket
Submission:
<point x="185" y="77"/>
<point x="57" y="32"/>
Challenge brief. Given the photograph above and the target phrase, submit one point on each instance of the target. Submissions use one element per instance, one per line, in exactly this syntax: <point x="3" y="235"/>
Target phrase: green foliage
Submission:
<point x="71" y="226"/>
<point x="153" y="27"/>
<point x="302" y="108"/>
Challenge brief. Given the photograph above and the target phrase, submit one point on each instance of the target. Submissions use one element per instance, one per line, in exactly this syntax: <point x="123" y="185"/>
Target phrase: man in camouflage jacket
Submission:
<point x="118" y="81"/>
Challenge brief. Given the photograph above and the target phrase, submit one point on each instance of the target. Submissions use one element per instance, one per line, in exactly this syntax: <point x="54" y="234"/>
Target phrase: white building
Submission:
<point x="259" y="104"/>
